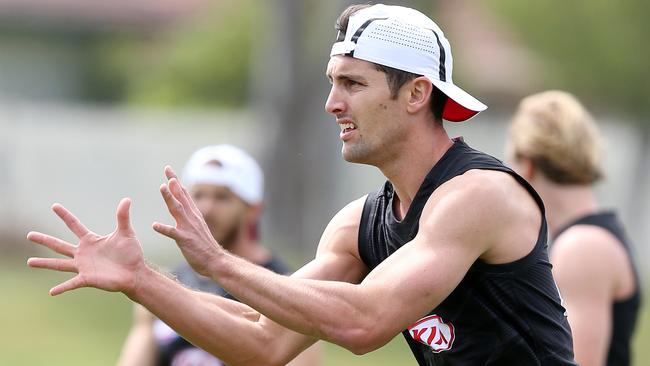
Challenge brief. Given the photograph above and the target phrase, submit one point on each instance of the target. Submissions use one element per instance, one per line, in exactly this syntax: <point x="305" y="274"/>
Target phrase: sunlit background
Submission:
<point x="96" y="97"/>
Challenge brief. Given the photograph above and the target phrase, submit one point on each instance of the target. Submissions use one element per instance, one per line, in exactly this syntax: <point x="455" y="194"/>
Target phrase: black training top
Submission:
<point x="507" y="314"/>
<point x="175" y="350"/>
<point x="624" y="312"/>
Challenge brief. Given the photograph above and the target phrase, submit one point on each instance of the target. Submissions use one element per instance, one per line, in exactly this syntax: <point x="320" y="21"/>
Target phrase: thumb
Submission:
<point x="123" y="216"/>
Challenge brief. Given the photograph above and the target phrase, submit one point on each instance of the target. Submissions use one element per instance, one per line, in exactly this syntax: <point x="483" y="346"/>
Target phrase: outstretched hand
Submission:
<point x="191" y="233"/>
<point x="111" y="262"/>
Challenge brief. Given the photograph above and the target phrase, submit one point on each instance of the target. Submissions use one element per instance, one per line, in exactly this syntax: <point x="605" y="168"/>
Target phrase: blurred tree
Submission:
<point x="597" y="49"/>
<point x="205" y="62"/>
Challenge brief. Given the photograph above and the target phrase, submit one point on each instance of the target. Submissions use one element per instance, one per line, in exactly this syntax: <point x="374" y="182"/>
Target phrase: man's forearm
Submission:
<point x="329" y="310"/>
<point x="229" y="330"/>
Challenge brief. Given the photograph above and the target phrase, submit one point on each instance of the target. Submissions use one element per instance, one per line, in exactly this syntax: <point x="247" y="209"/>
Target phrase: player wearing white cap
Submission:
<point x="451" y="251"/>
<point x="227" y="186"/>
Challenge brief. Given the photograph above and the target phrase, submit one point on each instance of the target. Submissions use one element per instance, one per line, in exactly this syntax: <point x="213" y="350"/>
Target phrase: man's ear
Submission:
<point x="419" y="94"/>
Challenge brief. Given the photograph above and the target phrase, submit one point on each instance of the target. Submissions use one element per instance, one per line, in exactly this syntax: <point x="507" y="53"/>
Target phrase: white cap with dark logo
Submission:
<point x="407" y="40"/>
<point x="229" y="166"/>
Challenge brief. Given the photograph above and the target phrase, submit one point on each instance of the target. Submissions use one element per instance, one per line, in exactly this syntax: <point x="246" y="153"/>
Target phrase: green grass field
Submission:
<point x="87" y="327"/>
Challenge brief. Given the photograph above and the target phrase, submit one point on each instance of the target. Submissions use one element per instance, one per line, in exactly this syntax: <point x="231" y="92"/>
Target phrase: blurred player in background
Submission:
<point x="554" y="144"/>
<point x="227" y="186"/>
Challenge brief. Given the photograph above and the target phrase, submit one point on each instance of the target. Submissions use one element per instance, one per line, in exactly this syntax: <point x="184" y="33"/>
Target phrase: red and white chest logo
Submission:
<point x="433" y="332"/>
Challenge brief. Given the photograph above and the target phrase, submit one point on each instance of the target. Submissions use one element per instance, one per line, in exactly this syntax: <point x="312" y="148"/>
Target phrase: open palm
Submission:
<point x="110" y="262"/>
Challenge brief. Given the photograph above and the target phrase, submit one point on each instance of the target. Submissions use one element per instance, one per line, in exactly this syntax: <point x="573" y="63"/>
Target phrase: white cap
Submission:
<point x="407" y="40"/>
<point x="229" y="166"/>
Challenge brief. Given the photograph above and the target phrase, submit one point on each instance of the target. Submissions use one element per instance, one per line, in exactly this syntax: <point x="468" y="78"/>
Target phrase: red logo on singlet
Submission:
<point x="433" y="332"/>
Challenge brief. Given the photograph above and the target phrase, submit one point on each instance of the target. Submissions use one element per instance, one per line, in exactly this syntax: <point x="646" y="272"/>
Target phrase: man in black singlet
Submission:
<point x="554" y="143"/>
<point x="451" y="251"/>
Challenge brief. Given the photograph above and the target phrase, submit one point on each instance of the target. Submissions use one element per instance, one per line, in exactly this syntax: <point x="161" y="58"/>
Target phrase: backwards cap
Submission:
<point x="229" y="166"/>
<point x="407" y="40"/>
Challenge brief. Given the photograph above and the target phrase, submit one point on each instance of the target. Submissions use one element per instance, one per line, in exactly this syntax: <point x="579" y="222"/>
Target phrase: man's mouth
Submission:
<point x="347" y="127"/>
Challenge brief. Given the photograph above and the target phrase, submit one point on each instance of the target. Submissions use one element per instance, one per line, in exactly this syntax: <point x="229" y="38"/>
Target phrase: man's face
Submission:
<point x="369" y="118"/>
<point x="223" y="211"/>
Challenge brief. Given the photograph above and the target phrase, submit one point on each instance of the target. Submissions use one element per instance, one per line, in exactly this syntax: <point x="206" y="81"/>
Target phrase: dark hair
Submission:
<point x="394" y="77"/>
<point x="343" y="20"/>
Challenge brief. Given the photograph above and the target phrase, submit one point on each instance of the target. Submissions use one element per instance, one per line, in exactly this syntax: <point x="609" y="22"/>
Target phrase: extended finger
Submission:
<point x="169" y="172"/>
<point x="171" y="175"/>
<point x="177" y="191"/>
<point x="57" y="264"/>
<point x="166" y="230"/>
<point x="175" y="208"/>
<point x="123" y="216"/>
<point x="56" y="244"/>
<point x="188" y="202"/>
<point x="70" y="220"/>
<point x="71" y="284"/>
<point x="180" y="193"/>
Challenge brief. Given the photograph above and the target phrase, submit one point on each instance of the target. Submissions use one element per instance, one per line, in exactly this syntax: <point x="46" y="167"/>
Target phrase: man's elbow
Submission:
<point x="361" y="340"/>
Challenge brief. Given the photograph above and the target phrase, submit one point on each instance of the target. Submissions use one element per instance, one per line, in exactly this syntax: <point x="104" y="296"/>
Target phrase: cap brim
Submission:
<point x="342" y="48"/>
<point x="461" y="106"/>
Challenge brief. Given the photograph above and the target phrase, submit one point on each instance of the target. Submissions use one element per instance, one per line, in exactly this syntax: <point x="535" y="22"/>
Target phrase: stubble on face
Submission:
<point x="379" y="134"/>
<point x="223" y="212"/>
<point x="372" y="108"/>
<point x="227" y="235"/>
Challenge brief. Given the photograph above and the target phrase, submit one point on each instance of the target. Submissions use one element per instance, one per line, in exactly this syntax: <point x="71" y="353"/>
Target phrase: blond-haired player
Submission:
<point x="555" y="144"/>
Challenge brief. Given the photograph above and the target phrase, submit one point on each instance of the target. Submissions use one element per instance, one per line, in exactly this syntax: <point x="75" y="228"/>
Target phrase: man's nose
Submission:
<point x="334" y="104"/>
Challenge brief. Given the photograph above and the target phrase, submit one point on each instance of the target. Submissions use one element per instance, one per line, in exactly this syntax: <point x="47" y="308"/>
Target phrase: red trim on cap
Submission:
<point x="455" y="112"/>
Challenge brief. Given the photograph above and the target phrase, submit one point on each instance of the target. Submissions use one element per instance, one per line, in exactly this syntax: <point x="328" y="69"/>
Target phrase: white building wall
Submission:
<point x="88" y="158"/>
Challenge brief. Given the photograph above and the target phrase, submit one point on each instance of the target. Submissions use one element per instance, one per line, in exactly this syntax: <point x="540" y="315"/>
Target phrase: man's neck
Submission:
<point x="567" y="203"/>
<point x="407" y="172"/>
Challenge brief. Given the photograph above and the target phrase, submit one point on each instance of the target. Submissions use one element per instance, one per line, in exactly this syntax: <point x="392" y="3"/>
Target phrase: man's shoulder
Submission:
<point x="587" y="243"/>
<point x="343" y="228"/>
<point x="483" y="205"/>
<point x="349" y="217"/>
<point x="352" y="209"/>
<point x="479" y="186"/>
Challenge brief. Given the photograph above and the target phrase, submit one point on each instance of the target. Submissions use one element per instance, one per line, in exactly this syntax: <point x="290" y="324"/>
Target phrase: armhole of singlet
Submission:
<point x="542" y="235"/>
<point x="609" y="221"/>
<point x="542" y="238"/>
<point x="363" y="240"/>
<point x="533" y="193"/>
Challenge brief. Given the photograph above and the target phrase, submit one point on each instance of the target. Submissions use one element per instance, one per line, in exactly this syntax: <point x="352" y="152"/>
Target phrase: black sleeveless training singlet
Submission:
<point x="624" y="312"/>
<point x="506" y="314"/>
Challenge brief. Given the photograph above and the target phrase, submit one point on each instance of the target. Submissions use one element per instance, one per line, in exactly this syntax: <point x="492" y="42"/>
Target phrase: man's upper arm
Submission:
<point x="456" y="227"/>
<point x="337" y="256"/>
<point x="584" y="266"/>
<point x="336" y="259"/>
